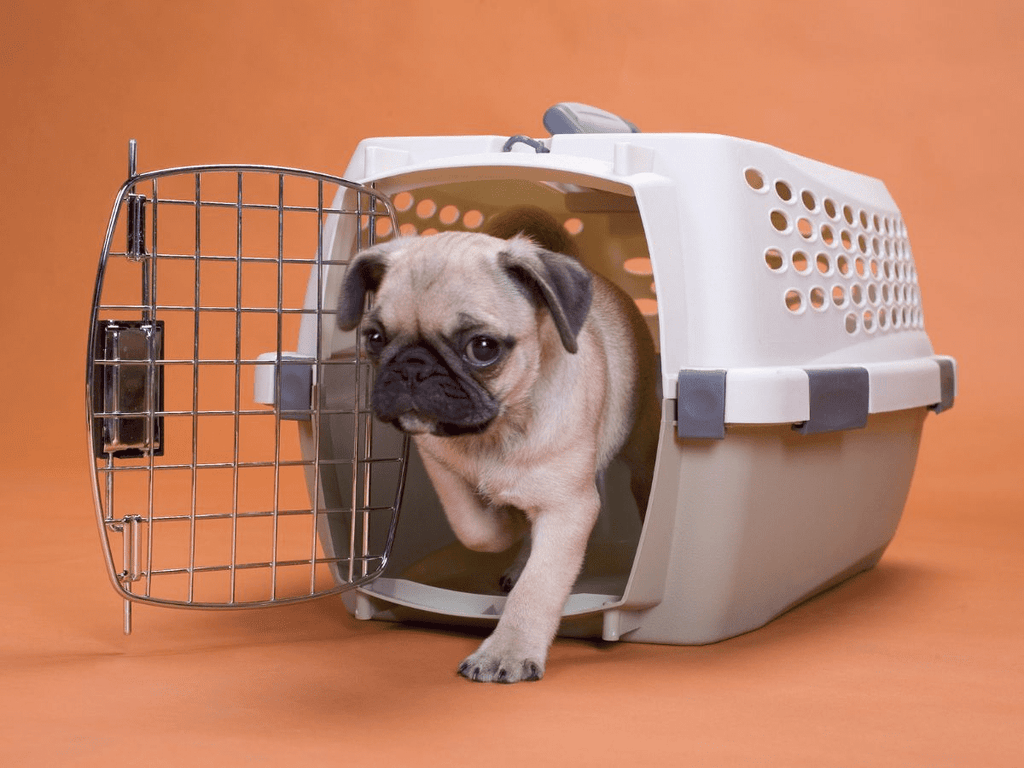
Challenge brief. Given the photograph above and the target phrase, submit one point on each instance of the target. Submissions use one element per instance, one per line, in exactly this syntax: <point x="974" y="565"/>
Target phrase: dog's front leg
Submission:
<point x="480" y="526"/>
<point x="518" y="647"/>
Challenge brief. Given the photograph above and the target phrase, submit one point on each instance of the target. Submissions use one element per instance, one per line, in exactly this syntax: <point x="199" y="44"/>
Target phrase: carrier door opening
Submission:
<point x="611" y="240"/>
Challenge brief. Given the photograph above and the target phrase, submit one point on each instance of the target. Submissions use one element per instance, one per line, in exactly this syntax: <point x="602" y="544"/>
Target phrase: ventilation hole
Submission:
<point x="859" y="267"/>
<point x="852" y="322"/>
<point x="426" y="208"/>
<point x="848" y="214"/>
<point x="449" y="215"/>
<point x="817" y="296"/>
<point x="403" y="201"/>
<point x="773" y="258"/>
<point x="843" y="265"/>
<point x="873" y="293"/>
<point x="883" y="320"/>
<point x="875" y="248"/>
<point x="638" y="266"/>
<point x="847" y="240"/>
<point x="647" y="307"/>
<point x="876" y="222"/>
<point x="863" y="219"/>
<point x="869" y="320"/>
<point x="857" y="295"/>
<point x="382" y="227"/>
<point x="824" y="265"/>
<point x="755" y="180"/>
<point x="862" y="244"/>
<point x="428" y="232"/>
<point x="897" y="318"/>
<point x="887" y="269"/>
<point x="573" y="226"/>
<point x="805" y="228"/>
<point x="906" y="316"/>
<point x="885" y="293"/>
<point x="794" y="302"/>
<point x="407" y="230"/>
<point x="783" y="191"/>
<point x="779" y="221"/>
<point x="887" y="247"/>
<point x="830" y="208"/>
<point x="800" y="262"/>
<point x="827" y="235"/>
<point x="838" y="296"/>
<point x="472" y="219"/>
<point x="873" y="266"/>
<point x="808" y="200"/>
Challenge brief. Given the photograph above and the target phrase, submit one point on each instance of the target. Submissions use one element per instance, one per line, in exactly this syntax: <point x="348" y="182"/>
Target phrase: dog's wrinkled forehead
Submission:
<point x="434" y="282"/>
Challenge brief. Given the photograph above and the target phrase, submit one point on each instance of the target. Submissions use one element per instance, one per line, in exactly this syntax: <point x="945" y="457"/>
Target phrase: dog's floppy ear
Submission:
<point x="553" y="280"/>
<point x="364" y="274"/>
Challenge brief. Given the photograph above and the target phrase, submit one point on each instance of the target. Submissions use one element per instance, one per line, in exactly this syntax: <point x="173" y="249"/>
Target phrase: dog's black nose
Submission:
<point x="416" y="364"/>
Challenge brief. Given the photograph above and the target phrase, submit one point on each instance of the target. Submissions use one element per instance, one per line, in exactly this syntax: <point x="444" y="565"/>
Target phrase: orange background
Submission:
<point x="918" y="662"/>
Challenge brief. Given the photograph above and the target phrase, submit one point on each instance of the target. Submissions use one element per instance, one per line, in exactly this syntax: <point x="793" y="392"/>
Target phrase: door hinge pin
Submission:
<point x="132" y="540"/>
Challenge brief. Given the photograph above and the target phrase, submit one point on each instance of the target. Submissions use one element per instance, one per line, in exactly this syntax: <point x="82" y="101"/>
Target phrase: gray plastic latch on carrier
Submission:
<point x="700" y="404"/>
<point x="295" y="385"/>
<point x="947" y="385"/>
<point x="838" y="400"/>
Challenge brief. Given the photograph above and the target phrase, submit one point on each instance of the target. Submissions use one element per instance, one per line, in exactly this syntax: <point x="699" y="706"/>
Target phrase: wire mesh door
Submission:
<point x="229" y="471"/>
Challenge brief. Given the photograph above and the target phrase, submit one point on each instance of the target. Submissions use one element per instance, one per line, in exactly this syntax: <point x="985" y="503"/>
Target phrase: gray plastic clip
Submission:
<point x="838" y="400"/>
<point x="947" y="385"/>
<point x="700" y="404"/>
<point x="296" y="388"/>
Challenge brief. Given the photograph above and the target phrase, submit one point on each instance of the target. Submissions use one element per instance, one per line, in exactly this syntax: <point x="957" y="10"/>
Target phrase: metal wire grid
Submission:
<point x="194" y="526"/>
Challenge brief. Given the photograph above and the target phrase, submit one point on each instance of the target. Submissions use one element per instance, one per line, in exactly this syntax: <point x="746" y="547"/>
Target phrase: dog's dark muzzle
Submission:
<point x="417" y="381"/>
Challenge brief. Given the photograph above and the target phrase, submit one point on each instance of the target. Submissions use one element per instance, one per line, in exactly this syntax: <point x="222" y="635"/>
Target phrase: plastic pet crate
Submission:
<point x="781" y="293"/>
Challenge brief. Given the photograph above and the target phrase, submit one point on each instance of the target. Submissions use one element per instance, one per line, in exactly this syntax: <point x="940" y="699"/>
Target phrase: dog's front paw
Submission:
<point x="491" y="667"/>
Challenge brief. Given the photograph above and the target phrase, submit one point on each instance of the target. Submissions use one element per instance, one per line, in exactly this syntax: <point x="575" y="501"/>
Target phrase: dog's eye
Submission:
<point x="483" y="350"/>
<point x="374" y="340"/>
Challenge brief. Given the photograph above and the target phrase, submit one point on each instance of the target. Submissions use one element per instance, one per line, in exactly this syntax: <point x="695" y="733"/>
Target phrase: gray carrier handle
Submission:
<point x="573" y="117"/>
<point x="813" y="399"/>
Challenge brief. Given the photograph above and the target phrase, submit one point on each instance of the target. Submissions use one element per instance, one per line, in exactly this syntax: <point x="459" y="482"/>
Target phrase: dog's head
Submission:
<point x="461" y="325"/>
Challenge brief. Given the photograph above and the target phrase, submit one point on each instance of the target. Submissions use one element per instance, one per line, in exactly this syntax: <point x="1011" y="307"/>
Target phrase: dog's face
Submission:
<point x="462" y="325"/>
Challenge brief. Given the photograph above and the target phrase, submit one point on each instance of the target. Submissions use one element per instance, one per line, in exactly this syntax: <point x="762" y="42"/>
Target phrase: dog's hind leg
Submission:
<point x="508" y="579"/>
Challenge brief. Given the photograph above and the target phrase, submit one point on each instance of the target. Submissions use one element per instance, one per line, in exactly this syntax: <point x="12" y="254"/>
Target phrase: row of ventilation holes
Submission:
<point x="450" y="215"/>
<point x="895" y="264"/>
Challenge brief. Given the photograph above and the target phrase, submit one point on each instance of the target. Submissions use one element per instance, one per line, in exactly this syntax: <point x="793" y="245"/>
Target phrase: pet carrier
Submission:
<point x="237" y="463"/>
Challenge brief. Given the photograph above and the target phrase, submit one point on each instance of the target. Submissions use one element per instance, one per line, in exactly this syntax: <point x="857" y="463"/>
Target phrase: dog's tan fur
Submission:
<point x="562" y="414"/>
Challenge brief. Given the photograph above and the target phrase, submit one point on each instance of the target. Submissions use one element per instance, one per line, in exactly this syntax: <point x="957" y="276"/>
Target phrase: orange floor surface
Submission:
<point x="918" y="662"/>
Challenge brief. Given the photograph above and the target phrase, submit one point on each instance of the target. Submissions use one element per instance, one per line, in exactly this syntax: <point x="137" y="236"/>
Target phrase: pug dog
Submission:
<point x="520" y="375"/>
